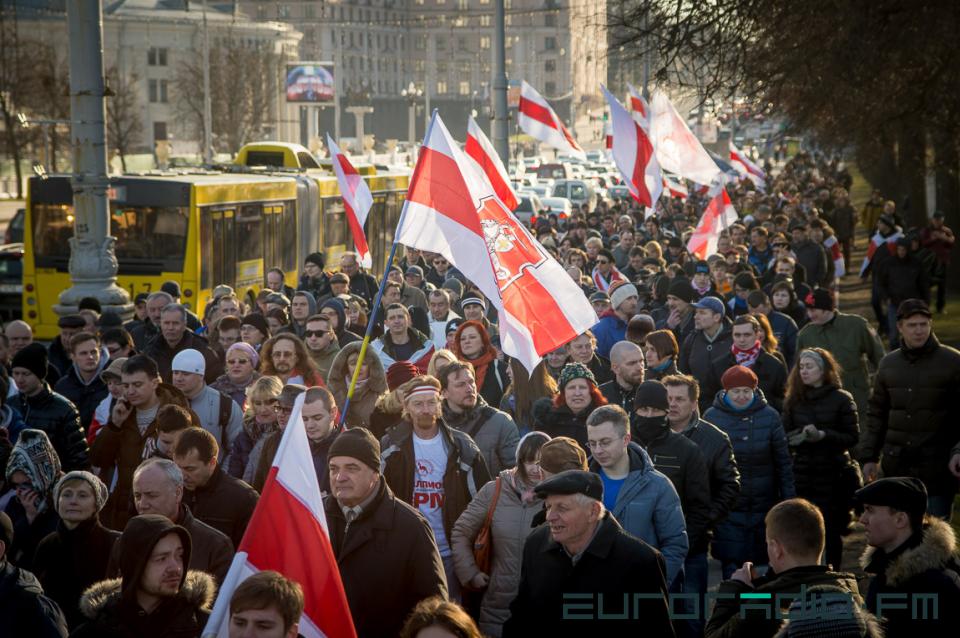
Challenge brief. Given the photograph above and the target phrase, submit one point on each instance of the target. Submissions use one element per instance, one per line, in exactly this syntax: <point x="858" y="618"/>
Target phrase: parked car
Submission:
<point x="551" y="171"/>
<point x="11" y="281"/>
<point x="577" y="191"/>
<point x="14" y="232"/>
<point x="619" y="193"/>
<point x="561" y="206"/>
<point x="528" y="208"/>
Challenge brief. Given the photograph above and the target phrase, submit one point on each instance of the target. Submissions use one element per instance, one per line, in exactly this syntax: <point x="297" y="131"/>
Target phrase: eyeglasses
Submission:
<point x="279" y="409"/>
<point x="234" y="362"/>
<point x="602" y="262"/>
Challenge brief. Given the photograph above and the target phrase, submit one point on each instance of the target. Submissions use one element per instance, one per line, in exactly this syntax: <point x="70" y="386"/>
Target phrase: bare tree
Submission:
<point x="124" y="124"/>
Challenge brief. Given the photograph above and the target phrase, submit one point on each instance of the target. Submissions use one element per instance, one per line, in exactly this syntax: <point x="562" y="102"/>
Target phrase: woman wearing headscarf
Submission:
<point x="472" y="344"/>
<point x="242" y="362"/>
<point x="371" y="383"/>
<point x="821" y="422"/>
<point x="75" y="555"/>
<point x="32" y="471"/>
<point x="515" y="507"/>
<point x="566" y="414"/>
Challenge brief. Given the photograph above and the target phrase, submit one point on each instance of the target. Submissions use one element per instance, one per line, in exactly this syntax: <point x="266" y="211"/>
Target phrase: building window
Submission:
<point x="463" y="5"/>
<point x="442" y="68"/>
<point x="283" y="11"/>
<point x="441" y="43"/>
<point x="464" y="88"/>
<point x="157" y="57"/>
<point x="484" y="42"/>
<point x="421" y="42"/>
<point x="550" y="43"/>
<point x="157" y="90"/>
<point x="550" y="88"/>
<point x="309" y="11"/>
<point x="550" y="66"/>
<point x="159" y="131"/>
<point x="485" y="20"/>
<point x="484" y="1"/>
<point x="550" y="19"/>
<point x="441" y="87"/>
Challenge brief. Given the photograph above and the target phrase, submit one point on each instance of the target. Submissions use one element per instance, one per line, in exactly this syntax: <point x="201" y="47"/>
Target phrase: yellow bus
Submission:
<point x="201" y="229"/>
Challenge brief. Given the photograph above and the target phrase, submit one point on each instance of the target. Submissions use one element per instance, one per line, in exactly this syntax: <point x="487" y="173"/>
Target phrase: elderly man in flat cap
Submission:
<point x="583" y="570"/>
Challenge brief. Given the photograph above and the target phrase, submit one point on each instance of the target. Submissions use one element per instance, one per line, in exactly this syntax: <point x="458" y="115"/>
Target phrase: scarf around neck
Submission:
<point x="746" y="357"/>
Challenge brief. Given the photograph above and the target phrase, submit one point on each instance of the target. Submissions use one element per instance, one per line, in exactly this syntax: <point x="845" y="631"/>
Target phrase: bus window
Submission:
<point x="288" y="237"/>
<point x="206" y="249"/>
<point x="249" y="239"/>
<point x="306" y="160"/>
<point x="334" y="223"/>
<point x="52" y="226"/>
<point x="149" y="234"/>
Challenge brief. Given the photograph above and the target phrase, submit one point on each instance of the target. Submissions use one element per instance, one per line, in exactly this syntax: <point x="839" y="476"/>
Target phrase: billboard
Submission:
<point x="310" y="83"/>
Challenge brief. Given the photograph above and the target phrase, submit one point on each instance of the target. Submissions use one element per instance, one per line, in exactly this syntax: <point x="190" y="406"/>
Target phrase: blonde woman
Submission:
<point x="259" y="419"/>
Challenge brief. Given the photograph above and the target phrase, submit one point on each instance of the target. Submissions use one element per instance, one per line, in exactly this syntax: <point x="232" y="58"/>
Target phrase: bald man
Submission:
<point x="19" y="334"/>
<point x="626" y="363"/>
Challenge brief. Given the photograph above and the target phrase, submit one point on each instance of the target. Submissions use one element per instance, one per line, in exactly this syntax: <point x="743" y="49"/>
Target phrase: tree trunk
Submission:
<point x="913" y="170"/>
<point x="948" y="193"/>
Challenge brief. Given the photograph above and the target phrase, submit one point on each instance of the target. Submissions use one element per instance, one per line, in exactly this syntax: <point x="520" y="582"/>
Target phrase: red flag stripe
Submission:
<point x="281" y="522"/>
<point x="359" y="237"/>
<point x="438" y="184"/>
<point x="501" y="188"/>
<point x="644" y="152"/>
<point x="537" y="112"/>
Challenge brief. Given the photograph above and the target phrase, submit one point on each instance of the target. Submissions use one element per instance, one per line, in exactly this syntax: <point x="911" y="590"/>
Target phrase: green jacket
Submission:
<point x="848" y="338"/>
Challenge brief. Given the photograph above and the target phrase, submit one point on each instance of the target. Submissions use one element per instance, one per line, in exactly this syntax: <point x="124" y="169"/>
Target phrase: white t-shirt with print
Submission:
<point x="428" y="495"/>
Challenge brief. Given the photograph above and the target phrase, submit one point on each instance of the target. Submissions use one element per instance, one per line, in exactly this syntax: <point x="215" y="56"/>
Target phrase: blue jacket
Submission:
<point x="766" y="477"/>
<point x="648" y="507"/>
<point x="609" y="330"/>
<point x="785" y="330"/>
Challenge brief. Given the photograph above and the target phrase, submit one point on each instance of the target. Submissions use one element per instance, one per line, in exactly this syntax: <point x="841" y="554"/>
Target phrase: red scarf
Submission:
<point x="746" y="357"/>
<point x="481" y="363"/>
<point x="602" y="284"/>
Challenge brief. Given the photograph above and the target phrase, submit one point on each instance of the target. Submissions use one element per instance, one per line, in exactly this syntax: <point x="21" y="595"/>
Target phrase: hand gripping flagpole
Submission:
<point x="379" y="297"/>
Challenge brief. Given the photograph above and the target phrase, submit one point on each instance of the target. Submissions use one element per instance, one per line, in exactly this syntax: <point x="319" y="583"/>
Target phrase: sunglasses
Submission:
<point x="233" y="362"/>
<point x="602" y="262"/>
<point x="314" y="333"/>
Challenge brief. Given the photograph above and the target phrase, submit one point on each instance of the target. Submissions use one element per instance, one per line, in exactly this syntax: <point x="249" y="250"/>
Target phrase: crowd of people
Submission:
<point x="721" y="408"/>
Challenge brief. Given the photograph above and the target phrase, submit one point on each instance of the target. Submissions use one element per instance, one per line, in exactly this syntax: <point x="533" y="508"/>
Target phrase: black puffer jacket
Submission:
<point x="724" y="476"/>
<point x="697" y="351"/>
<point x="85" y="396"/>
<point x="901" y="279"/>
<point x="913" y="414"/>
<point x="160" y="351"/>
<point x="822" y="471"/>
<point x="561" y="421"/>
<point x="770" y="371"/>
<point x="55" y="415"/>
<point x="24" y="608"/>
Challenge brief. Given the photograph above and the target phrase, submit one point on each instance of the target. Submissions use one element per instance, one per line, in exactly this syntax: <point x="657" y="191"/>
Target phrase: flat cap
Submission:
<point x="903" y="493"/>
<point x="572" y="482"/>
<point x="71" y="321"/>
<point x="911" y="307"/>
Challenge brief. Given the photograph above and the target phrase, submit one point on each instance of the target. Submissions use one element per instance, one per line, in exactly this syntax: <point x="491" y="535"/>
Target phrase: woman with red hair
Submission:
<point x="566" y="414"/>
<point x="472" y="344"/>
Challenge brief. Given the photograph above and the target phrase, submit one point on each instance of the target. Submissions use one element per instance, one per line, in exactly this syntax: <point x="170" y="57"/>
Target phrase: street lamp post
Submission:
<point x="412" y="93"/>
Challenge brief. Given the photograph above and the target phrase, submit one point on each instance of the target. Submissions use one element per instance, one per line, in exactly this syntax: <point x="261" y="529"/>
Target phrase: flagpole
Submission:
<point x="379" y="297"/>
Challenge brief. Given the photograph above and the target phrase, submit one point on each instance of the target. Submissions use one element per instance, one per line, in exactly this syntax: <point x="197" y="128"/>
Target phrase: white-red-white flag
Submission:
<point x="675" y="187"/>
<point x="357" y="199"/>
<point x="451" y="209"/>
<point x="678" y="149"/>
<point x="633" y="154"/>
<point x="877" y="242"/>
<point x="836" y="254"/>
<point x="288" y="534"/>
<point x="747" y="169"/>
<point x="639" y="107"/>
<point x="718" y="215"/>
<point x="539" y="121"/>
<point x="481" y="151"/>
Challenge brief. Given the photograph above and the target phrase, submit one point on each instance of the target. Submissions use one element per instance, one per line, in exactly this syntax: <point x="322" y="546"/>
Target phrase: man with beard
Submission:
<point x="627" y="365"/>
<point x="494" y="431"/>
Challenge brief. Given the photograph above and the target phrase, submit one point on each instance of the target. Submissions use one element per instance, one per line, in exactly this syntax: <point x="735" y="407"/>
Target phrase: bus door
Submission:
<point x="248" y="228"/>
<point x="223" y="249"/>
<point x="272" y="237"/>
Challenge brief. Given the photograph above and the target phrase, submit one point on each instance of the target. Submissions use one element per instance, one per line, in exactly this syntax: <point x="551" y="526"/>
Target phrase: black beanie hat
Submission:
<point x="357" y="443"/>
<point x="681" y="289"/>
<point x="33" y="357"/>
<point x="651" y="394"/>
<point x="258" y="321"/>
<point x="316" y="259"/>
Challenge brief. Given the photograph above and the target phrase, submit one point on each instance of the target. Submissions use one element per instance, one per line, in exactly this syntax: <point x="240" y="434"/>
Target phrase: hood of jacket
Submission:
<point x="198" y="589"/>
<point x="466" y="420"/>
<point x="337" y="379"/>
<point x="937" y="548"/>
<point x="341" y="311"/>
<point x="640" y="461"/>
<point x="868" y="624"/>
<point x="104" y="361"/>
<point x="139" y="538"/>
<point x="311" y="301"/>
<point x="759" y="402"/>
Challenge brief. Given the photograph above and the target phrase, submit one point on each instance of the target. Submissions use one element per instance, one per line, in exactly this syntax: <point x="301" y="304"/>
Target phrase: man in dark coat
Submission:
<point x="213" y="496"/>
<point x="81" y="383"/>
<point x="156" y="596"/>
<point x="174" y="337"/>
<point x="45" y="410"/>
<point x="811" y="255"/>
<point x="627" y="366"/>
<point x="913" y="558"/>
<point x="582" y="557"/>
<point x="747" y="350"/>
<point x="362" y="284"/>
<point x="795" y="541"/>
<point x="911" y="420"/>
<point x="900" y="277"/>
<point x="711" y="338"/>
<point x="23" y="607"/>
<point x="389" y="560"/>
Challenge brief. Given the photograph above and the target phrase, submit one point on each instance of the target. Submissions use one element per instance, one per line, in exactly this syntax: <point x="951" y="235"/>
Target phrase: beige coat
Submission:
<point x="510" y="528"/>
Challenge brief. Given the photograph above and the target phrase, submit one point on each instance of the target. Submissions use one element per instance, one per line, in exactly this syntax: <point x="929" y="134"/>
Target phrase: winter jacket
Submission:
<point x="771" y="372"/>
<point x="224" y="503"/>
<point x="59" y="419"/>
<point x="210" y="405"/>
<point x="388" y="562"/>
<point x="927" y="563"/>
<point x="59" y="358"/>
<point x="465" y="474"/>
<point x="111" y="605"/>
<point x="901" y="279"/>
<point x="386" y="350"/>
<point x="510" y="526"/>
<point x="844" y="222"/>
<point x="325" y="358"/>
<point x="160" y="351"/>
<point x="27" y="535"/>
<point x="849" y="338"/>
<point x="122" y="445"/>
<point x="730" y="619"/>
<point x="365" y="396"/>
<point x="85" y="396"/>
<point x="24" y="608"/>
<point x="410" y="296"/>
<point x="667" y="368"/>
<point x="698" y="350"/>
<point x="243" y="445"/>
<point x="717" y="451"/>
<point x="680" y="460"/>
<point x="616" y="394"/>
<point x="813" y="258"/>
<point x="70" y="560"/>
<point x="600" y="367"/>
<point x="609" y="330"/>
<point x="786" y="331"/>
<point x="940" y="247"/>
<point x="235" y="391"/>
<point x="261" y="460"/>
<point x="766" y="477"/>
<point x="649" y="508"/>
<point x="493" y="431"/>
<point x="912" y="420"/>
<point x="364" y="286"/>
<point x="561" y="421"/>
<point x="823" y="472"/>
<point x="494" y="383"/>
<point x="615" y="564"/>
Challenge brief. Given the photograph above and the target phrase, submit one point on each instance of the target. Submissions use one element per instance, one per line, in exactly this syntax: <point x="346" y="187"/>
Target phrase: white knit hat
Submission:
<point x="621" y="293"/>
<point x="189" y="360"/>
